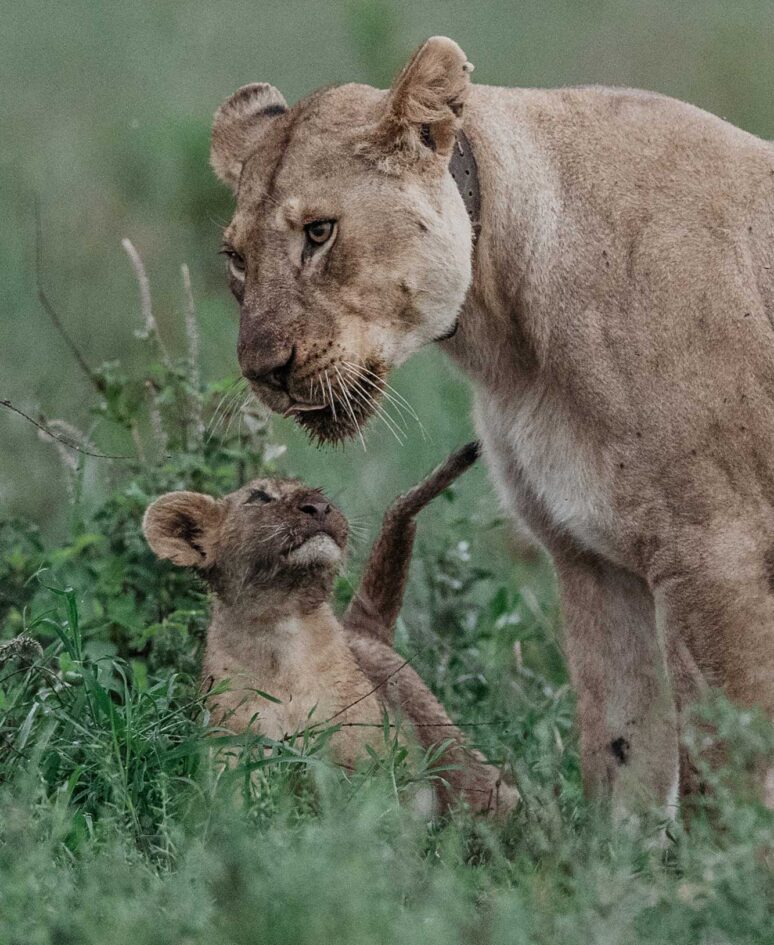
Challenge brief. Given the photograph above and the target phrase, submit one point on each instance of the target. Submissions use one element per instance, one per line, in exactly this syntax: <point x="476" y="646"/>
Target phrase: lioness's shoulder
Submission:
<point x="577" y="110"/>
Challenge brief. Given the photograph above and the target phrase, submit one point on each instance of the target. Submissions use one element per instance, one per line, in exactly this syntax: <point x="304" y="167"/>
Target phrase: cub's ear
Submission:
<point x="182" y="527"/>
<point x="238" y="124"/>
<point x="424" y="106"/>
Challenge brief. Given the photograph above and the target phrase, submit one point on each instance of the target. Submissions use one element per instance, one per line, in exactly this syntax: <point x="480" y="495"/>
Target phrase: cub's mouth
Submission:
<point x="317" y="549"/>
<point x="324" y="542"/>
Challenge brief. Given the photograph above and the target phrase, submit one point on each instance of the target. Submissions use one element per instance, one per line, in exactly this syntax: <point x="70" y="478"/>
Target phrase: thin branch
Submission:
<point x="501" y="722"/>
<point x="61" y="439"/>
<point x="52" y="313"/>
<point x="379" y="685"/>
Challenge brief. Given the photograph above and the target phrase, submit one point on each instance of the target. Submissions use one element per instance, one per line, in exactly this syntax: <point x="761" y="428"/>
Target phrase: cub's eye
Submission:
<point x="258" y="495"/>
<point x="320" y="231"/>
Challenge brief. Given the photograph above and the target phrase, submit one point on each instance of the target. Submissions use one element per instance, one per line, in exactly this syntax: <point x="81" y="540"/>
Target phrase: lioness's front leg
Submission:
<point x="626" y="710"/>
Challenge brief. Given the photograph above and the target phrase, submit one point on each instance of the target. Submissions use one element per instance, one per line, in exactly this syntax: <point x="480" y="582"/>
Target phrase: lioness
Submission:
<point x="603" y="270"/>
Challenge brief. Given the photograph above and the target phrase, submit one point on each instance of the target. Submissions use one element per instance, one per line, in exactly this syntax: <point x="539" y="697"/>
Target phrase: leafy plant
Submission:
<point x="181" y="432"/>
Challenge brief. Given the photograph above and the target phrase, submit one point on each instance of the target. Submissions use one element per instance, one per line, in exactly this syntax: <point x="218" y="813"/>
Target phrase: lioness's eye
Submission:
<point x="258" y="495"/>
<point x="320" y="231"/>
<point x="235" y="259"/>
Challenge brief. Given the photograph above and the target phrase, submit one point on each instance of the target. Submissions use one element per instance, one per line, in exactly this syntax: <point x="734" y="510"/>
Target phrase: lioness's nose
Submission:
<point x="317" y="508"/>
<point x="269" y="366"/>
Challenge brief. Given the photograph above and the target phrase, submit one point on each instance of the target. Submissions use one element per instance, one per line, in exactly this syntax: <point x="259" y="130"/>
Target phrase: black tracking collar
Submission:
<point x="464" y="170"/>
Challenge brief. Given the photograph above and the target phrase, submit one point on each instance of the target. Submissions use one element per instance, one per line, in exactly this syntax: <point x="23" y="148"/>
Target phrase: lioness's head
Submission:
<point x="350" y="246"/>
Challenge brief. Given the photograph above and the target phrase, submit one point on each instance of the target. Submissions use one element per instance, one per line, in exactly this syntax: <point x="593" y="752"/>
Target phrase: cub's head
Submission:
<point x="272" y="536"/>
<point x="350" y="246"/>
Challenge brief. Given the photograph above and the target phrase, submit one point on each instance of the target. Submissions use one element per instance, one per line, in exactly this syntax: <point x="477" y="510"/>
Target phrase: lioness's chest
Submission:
<point x="538" y="453"/>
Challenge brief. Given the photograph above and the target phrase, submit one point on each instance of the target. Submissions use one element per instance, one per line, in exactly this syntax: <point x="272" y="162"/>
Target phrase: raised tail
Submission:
<point x="378" y="600"/>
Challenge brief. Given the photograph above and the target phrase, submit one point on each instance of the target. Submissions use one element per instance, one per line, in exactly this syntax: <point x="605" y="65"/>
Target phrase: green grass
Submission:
<point x="118" y="822"/>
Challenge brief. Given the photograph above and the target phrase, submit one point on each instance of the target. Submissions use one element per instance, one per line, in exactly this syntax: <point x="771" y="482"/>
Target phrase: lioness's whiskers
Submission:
<point x="348" y="405"/>
<point x="369" y="402"/>
<point x="226" y="406"/>
<point x="380" y="409"/>
<point x="228" y="395"/>
<point x="381" y="384"/>
<point x="237" y="412"/>
<point x="387" y="391"/>
<point x="330" y="390"/>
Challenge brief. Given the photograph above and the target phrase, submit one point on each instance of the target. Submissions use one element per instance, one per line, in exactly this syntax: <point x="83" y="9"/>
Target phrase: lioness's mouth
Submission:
<point x="297" y="407"/>
<point x="347" y="395"/>
<point x="335" y="423"/>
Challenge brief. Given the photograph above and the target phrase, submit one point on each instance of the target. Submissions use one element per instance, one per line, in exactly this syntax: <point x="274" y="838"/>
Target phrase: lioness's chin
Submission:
<point x="337" y="425"/>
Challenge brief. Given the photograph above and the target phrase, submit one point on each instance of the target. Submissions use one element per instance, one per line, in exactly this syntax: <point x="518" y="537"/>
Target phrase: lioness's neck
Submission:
<point x="496" y="340"/>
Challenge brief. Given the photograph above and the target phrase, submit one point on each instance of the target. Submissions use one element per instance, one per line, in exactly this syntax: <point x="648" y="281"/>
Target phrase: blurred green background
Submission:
<point x="105" y="119"/>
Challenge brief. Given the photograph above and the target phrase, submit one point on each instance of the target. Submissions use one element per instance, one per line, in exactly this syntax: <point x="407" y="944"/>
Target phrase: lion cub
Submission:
<point x="270" y="553"/>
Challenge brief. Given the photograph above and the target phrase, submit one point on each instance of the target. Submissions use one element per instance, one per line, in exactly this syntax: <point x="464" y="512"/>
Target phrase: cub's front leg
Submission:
<point x="626" y="709"/>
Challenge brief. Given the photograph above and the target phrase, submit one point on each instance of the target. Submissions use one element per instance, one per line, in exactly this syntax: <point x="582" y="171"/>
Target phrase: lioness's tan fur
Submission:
<point x="616" y="325"/>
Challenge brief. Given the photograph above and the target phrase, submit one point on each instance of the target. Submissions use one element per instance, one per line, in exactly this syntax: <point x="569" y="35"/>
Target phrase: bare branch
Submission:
<point x="60" y="439"/>
<point x="52" y="313"/>
<point x="370" y="692"/>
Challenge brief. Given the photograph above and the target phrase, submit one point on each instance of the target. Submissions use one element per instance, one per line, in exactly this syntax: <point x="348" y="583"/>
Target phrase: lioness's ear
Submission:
<point x="424" y="105"/>
<point x="182" y="527"/>
<point x="238" y="124"/>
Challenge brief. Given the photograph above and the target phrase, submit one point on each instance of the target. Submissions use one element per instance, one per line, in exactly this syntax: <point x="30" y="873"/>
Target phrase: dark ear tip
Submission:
<point x="256" y="98"/>
<point x="237" y="124"/>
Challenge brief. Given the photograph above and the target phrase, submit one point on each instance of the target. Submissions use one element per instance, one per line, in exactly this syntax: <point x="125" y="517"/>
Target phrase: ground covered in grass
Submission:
<point x="120" y="823"/>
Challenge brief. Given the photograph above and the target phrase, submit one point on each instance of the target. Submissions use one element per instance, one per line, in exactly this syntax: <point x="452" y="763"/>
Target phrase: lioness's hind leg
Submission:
<point x="720" y="600"/>
<point x="626" y="710"/>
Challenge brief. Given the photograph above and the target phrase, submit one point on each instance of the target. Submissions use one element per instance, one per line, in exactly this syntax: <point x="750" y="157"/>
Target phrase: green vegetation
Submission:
<point x="118" y="821"/>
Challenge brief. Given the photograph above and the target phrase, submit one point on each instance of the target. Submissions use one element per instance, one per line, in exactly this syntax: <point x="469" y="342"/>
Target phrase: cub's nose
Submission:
<point x="316" y="508"/>
<point x="271" y="366"/>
